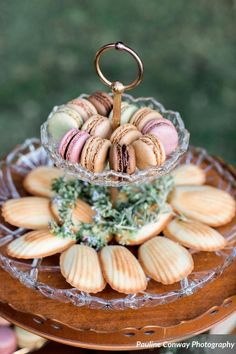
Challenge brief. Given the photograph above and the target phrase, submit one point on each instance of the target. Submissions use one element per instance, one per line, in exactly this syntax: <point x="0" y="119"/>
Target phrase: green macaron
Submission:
<point x="127" y="111"/>
<point x="61" y="120"/>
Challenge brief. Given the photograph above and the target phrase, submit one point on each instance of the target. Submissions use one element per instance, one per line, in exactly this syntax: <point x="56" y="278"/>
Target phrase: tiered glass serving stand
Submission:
<point x="43" y="275"/>
<point x="36" y="274"/>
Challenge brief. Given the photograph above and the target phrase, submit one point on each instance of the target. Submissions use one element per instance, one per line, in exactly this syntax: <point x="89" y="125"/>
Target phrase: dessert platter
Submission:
<point x="112" y="209"/>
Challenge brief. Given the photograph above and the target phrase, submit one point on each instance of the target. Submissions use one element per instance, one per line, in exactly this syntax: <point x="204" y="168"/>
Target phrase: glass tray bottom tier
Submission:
<point x="43" y="275"/>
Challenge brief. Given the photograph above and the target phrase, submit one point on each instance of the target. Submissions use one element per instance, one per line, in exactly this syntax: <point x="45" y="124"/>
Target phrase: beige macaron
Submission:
<point x="83" y="106"/>
<point x="95" y="154"/>
<point x="125" y="134"/>
<point x="98" y="125"/>
<point x="143" y="116"/>
<point x="149" y="152"/>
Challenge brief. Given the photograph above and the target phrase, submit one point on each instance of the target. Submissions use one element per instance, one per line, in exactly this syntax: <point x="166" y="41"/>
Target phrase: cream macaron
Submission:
<point x="95" y="154"/>
<point x="98" y="125"/>
<point x="125" y="134"/>
<point x="83" y="106"/>
<point x="143" y="116"/>
<point x="149" y="152"/>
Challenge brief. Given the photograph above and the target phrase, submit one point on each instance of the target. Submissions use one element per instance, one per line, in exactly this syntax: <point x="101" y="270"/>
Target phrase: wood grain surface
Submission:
<point x="121" y="329"/>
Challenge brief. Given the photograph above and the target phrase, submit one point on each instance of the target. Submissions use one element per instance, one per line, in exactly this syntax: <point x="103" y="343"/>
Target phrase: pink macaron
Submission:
<point x="8" y="342"/>
<point x="71" y="145"/>
<point x="165" y="131"/>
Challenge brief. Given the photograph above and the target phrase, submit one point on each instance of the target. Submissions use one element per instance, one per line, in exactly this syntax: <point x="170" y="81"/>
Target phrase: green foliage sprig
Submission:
<point x="135" y="207"/>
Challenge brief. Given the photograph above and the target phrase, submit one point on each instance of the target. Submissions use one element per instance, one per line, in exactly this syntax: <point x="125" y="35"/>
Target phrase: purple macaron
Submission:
<point x="165" y="131"/>
<point x="71" y="145"/>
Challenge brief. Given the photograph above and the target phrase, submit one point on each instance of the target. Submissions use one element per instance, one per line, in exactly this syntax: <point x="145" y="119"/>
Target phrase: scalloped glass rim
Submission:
<point x="30" y="155"/>
<point x="106" y="178"/>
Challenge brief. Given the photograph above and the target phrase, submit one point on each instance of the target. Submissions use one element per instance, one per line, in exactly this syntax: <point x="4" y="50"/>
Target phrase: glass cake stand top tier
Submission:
<point x="109" y="177"/>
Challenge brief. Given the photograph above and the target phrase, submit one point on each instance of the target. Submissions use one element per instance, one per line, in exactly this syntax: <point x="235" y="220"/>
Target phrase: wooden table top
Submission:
<point x="112" y="330"/>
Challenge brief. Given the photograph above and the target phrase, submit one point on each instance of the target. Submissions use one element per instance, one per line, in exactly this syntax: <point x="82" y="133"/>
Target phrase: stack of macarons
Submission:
<point x="83" y="131"/>
<point x="76" y="112"/>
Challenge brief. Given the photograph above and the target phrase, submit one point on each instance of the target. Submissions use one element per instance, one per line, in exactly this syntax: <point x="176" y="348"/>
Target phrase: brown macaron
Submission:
<point x="95" y="153"/>
<point x="149" y="152"/>
<point x="102" y="102"/>
<point x="125" y="134"/>
<point x="122" y="158"/>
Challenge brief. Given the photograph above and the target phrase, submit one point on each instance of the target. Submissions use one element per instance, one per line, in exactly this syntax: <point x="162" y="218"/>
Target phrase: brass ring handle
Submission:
<point x="122" y="47"/>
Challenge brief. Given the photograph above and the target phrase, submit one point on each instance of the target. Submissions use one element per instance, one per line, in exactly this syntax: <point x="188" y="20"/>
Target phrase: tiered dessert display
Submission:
<point x="128" y="225"/>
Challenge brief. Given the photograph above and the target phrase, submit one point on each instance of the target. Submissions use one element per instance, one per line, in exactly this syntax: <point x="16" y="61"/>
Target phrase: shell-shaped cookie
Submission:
<point x="206" y="204"/>
<point x="165" y="260"/>
<point x="81" y="268"/>
<point x="145" y="232"/>
<point x="39" y="181"/>
<point x="82" y="212"/>
<point x="38" y="244"/>
<point x="195" y="235"/>
<point x="122" y="270"/>
<point x="189" y="175"/>
<point x="28" y="212"/>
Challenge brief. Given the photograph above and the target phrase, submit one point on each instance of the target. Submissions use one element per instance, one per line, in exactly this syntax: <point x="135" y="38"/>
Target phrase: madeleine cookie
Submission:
<point x="195" y="235"/>
<point x="38" y="244"/>
<point x="39" y="181"/>
<point x="188" y="175"/>
<point x="164" y="260"/>
<point x="206" y="204"/>
<point x="81" y="268"/>
<point x="149" y="152"/>
<point x="82" y="212"/>
<point x="145" y="232"/>
<point x="95" y="153"/>
<point x="122" y="270"/>
<point x="28" y="212"/>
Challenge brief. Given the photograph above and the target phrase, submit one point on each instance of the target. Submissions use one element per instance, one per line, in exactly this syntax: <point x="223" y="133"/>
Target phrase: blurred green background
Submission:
<point x="188" y="48"/>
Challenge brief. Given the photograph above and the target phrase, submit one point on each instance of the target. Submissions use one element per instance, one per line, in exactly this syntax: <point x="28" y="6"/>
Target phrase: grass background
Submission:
<point x="188" y="47"/>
